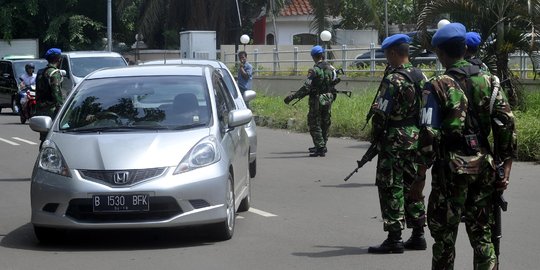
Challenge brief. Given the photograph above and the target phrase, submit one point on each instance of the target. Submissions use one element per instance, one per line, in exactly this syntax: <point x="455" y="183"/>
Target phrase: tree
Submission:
<point x="157" y="17"/>
<point x="58" y="23"/>
<point x="506" y="26"/>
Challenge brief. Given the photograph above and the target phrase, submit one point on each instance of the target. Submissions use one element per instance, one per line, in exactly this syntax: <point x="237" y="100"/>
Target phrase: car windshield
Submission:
<point x="85" y="65"/>
<point x="127" y="103"/>
<point x="19" y="66"/>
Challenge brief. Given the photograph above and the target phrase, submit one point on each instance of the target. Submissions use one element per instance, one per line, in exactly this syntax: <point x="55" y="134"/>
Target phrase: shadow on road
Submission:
<point x="15" y="180"/>
<point x="291" y="154"/>
<point x="106" y="240"/>
<point x="333" y="251"/>
<point x="350" y="185"/>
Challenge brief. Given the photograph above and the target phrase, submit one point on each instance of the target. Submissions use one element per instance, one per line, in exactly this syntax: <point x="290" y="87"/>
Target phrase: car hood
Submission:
<point x="113" y="151"/>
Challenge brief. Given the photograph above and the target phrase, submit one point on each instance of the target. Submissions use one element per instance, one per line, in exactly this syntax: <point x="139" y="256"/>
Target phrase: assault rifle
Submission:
<point x="368" y="156"/>
<point x="333" y="89"/>
<point x="499" y="205"/>
<point x="387" y="71"/>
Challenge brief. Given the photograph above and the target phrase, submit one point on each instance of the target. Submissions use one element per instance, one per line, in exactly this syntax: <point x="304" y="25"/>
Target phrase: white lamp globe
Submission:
<point x="442" y="23"/>
<point x="326" y="35"/>
<point x="244" y="39"/>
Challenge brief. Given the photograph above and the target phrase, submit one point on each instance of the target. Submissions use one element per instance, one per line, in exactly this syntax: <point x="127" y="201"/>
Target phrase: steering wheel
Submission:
<point x="110" y="115"/>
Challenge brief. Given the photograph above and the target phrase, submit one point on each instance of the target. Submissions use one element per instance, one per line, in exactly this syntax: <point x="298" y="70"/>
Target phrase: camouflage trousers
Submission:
<point x="453" y="196"/>
<point x="319" y="120"/>
<point x="396" y="172"/>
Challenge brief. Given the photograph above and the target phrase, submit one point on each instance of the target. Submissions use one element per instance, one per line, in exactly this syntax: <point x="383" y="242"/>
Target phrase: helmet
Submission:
<point x="29" y="66"/>
<point x="52" y="52"/>
<point x="316" y="50"/>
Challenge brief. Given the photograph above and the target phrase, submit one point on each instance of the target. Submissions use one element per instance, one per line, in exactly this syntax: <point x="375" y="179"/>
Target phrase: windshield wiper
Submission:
<point x="113" y="129"/>
<point x="188" y="126"/>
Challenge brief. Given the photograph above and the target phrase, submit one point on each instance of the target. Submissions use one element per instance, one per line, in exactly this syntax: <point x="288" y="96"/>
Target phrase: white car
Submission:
<point x="143" y="147"/>
<point x="240" y="100"/>
<point x="78" y="64"/>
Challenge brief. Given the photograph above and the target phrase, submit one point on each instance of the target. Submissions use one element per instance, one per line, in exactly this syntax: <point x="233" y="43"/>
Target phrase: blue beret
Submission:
<point x="448" y="32"/>
<point x="52" y="52"/>
<point x="472" y="39"/>
<point x="395" y="40"/>
<point x="316" y="50"/>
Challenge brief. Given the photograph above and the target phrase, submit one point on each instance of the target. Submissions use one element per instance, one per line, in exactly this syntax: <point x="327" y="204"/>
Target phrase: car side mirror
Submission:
<point x="239" y="117"/>
<point x="249" y="95"/>
<point x="40" y="123"/>
<point x="63" y="73"/>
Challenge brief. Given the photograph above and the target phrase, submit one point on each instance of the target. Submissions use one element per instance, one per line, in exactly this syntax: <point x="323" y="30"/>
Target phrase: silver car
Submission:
<point x="239" y="99"/>
<point x="143" y="147"/>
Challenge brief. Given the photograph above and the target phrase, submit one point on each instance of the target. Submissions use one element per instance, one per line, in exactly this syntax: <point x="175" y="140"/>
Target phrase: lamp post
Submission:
<point x="109" y="25"/>
<point x="325" y="37"/>
<point x="442" y="23"/>
<point x="244" y="39"/>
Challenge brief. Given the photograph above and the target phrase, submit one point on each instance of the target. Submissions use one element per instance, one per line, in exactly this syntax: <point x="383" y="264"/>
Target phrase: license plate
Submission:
<point x="120" y="202"/>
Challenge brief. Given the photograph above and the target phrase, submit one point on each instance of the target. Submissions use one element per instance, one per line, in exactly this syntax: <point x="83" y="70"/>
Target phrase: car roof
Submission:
<point x="213" y="63"/>
<point x="149" y="70"/>
<point x="82" y="54"/>
<point x="18" y="57"/>
<point x="25" y="60"/>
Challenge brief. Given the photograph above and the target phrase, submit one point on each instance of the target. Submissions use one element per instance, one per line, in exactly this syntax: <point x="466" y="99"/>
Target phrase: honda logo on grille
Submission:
<point x="121" y="178"/>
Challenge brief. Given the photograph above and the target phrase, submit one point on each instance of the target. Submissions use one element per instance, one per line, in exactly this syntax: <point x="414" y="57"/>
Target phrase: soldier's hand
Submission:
<point x="288" y="99"/>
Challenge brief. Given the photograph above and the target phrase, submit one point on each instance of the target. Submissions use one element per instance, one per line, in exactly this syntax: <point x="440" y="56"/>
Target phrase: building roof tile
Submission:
<point x="297" y="8"/>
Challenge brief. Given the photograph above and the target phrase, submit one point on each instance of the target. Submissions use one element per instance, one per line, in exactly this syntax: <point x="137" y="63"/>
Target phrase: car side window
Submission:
<point x="224" y="102"/>
<point x="3" y="68"/>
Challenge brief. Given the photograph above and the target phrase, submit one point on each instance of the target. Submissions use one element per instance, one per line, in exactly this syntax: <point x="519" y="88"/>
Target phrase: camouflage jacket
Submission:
<point x="444" y="113"/>
<point x="48" y="103"/>
<point x="395" y="114"/>
<point x="318" y="80"/>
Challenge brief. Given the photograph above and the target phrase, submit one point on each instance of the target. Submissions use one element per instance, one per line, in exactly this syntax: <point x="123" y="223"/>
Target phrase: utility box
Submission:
<point x="198" y="44"/>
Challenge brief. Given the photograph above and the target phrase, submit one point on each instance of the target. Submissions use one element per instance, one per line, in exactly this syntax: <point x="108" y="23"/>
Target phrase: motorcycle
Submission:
<point x="28" y="104"/>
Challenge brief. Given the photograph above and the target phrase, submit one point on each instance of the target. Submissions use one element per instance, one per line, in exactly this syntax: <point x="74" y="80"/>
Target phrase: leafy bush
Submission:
<point x="348" y="118"/>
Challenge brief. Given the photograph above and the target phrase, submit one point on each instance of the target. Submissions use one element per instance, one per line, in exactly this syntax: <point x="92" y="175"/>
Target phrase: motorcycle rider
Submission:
<point x="28" y="79"/>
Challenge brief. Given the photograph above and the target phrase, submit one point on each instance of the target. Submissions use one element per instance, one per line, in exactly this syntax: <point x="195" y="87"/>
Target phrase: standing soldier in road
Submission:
<point x="318" y="86"/>
<point x="49" y="97"/>
<point x="460" y="109"/>
<point x="395" y="131"/>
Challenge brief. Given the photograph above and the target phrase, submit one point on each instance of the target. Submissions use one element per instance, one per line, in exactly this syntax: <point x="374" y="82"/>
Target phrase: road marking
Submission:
<point x="9" y="142"/>
<point x="260" y="212"/>
<point x="23" y="140"/>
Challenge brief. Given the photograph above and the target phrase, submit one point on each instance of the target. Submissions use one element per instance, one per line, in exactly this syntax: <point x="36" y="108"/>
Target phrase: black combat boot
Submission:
<point x="392" y="244"/>
<point x="313" y="149"/>
<point x="319" y="152"/>
<point x="417" y="240"/>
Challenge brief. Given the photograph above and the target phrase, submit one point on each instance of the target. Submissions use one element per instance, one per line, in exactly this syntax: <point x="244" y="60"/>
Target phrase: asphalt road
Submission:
<point x="304" y="216"/>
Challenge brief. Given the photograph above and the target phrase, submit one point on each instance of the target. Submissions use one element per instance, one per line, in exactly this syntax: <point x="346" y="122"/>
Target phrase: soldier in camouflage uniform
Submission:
<point x="473" y="40"/>
<point x="395" y="130"/>
<point x="318" y="87"/>
<point x="459" y="111"/>
<point x="49" y="97"/>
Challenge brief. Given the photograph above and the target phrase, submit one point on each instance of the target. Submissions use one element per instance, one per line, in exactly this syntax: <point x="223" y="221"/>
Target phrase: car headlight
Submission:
<point x="204" y="153"/>
<point x="50" y="159"/>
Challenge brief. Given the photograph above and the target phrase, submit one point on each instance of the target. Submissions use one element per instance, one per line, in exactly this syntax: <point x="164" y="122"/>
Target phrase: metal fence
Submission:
<point x="297" y="62"/>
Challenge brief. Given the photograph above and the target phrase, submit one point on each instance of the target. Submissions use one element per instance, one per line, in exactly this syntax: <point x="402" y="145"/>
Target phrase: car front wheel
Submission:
<point x="224" y="230"/>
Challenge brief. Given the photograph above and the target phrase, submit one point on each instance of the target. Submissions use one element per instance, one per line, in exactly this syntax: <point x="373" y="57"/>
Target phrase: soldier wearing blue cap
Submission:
<point x="49" y="97"/>
<point x="395" y="130"/>
<point x="318" y="86"/>
<point x="473" y="40"/>
<point x="455" y="123"/>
